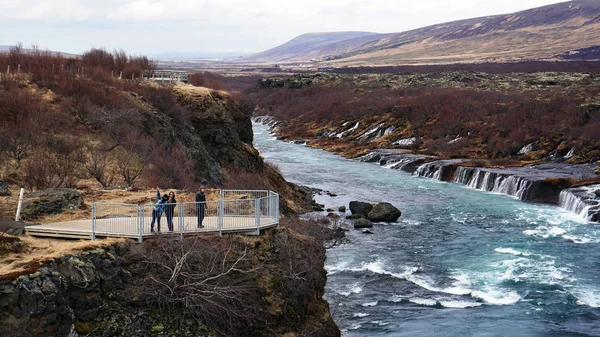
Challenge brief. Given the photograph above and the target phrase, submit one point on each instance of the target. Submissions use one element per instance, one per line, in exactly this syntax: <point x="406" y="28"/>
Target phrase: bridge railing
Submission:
<point x="234" y="211"/>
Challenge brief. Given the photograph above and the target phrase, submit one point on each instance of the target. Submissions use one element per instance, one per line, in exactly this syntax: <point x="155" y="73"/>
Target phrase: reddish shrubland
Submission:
<point x="70" y="118"/>
<point x="490" y="123"/>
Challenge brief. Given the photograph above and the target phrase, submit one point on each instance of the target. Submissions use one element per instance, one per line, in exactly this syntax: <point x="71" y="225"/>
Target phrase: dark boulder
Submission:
<point x="363" y="223"/>
<point x="359" y="207"/>
<point x="597" y="192"/>
<point x="595" y="217"/>
<point x="367" y="231"/>
<point x="342" y="209"/>
<point x="316" y="207"/>
<point x="51" y="201"/>
<point x="4" y="188"/>
<point x="356" y="216"/>
<point x="385" y="212"/>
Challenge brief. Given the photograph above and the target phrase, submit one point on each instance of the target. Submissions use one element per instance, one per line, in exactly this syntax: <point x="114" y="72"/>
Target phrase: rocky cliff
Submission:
<point x="229" y="286"/>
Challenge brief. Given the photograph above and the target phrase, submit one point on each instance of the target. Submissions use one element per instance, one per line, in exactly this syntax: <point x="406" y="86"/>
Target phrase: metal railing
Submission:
<point x="234" y="211"/>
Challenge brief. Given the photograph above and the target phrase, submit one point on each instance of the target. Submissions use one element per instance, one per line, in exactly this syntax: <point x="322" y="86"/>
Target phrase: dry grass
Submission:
<point x="91" y="192"/>
<point x="38" y="252"/>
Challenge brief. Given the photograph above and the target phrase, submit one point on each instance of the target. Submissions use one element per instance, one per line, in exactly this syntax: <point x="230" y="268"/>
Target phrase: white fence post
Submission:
<point x="141" y="223"/>
<point x="19" y="207"/>
<point x="257" y="215"/>
<point x="220" y="216"/>
<point x="93" y="221"/>
<point x="180" y="217"/>
<point x="277" y="209"/>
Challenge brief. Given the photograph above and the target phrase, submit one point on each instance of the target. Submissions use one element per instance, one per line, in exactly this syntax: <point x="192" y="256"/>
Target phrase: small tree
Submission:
<point x="98" y="164"/>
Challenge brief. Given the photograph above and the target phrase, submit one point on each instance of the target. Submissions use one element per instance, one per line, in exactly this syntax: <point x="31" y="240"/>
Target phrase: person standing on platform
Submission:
<point x="157" y="209"/>
<point x="170" y="210"/>
<point x="200" y="206"/>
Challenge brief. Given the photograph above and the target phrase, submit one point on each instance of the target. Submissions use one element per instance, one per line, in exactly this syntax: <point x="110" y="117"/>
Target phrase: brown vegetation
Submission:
<point x="456" y="114"/>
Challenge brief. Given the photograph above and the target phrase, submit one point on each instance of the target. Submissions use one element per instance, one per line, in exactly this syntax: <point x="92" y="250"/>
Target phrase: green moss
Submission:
<point x="157" y="328"/>
<point x="83" y="327"/>
<point x="34" y="275"/>
<point x="76" y="261"/>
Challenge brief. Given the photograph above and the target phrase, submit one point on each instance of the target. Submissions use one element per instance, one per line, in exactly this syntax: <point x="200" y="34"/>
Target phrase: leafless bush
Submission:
<point x="212" y="281"/>
<point x="99" y="163"/>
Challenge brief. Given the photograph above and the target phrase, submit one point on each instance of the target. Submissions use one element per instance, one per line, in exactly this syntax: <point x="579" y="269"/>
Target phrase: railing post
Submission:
<point x="141" y="223"/>
<point x="180" y="212"/>
<point x="277" y="209"/>
<point x="93" y="221"/>
<point x="257" y="215"/>
<point x="220" y="215"/>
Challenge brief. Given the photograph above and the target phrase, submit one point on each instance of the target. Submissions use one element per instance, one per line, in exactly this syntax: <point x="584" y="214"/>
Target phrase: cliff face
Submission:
<point x="229" y="286"/>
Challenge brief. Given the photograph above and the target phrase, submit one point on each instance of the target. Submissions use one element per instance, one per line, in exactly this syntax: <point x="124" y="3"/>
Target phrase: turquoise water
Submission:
<point x="459" y="262"/>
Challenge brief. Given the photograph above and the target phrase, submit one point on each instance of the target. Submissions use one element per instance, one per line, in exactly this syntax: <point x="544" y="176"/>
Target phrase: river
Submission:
<point x="459" y="262"/>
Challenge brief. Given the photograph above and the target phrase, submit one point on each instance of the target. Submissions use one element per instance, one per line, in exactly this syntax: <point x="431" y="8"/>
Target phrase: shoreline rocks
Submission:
<point x="359" y="207"/>
<point x="363" y="224"/>
<point x="384" y="212"/>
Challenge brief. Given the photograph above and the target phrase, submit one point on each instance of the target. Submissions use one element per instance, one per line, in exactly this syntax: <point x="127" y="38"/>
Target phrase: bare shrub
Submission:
<point x="209" y="280"/>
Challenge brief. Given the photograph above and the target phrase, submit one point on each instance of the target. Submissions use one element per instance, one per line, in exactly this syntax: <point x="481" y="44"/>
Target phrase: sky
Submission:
<point x="216" y="27"/>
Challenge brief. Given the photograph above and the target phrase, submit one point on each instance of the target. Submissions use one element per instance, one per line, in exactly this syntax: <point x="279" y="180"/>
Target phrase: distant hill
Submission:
<point x="556" y="31"/>
<point x="6" y="48"/>
<point x="313" y="45"/>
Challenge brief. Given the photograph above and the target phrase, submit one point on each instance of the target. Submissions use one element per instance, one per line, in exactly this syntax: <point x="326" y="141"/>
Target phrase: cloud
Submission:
<point x="223" y="24"/>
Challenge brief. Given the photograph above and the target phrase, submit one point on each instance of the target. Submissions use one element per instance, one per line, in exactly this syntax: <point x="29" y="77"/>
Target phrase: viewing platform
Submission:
<point x="240" y="212"/>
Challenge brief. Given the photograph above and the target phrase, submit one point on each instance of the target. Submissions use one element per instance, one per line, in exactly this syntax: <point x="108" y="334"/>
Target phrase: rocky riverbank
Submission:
<point x="544" y="183"/>
<point x="555" y="182"/>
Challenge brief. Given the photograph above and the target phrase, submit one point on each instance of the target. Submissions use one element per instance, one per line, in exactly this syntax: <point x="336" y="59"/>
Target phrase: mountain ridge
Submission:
<point x="541" y="33"/>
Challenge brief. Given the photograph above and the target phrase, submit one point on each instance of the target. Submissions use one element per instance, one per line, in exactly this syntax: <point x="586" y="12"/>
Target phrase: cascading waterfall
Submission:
<point x="432" y="170"/>
<point x="487" y="180"/>
<point x="581" y="200"/>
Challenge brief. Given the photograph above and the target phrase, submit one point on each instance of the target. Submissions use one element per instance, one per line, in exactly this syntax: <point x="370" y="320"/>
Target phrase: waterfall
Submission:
<point x="581" y="201"/>
<point x="492" y="181"/>
<point x="431" y="170"/>
<point x="399" y="164"/>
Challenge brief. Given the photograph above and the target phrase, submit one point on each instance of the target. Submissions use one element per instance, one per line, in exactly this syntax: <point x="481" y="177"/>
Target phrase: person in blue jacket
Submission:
<point x="158" y="209"/>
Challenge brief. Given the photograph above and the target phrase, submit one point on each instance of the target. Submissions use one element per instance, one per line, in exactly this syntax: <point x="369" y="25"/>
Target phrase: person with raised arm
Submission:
<point x="157" y="209"/>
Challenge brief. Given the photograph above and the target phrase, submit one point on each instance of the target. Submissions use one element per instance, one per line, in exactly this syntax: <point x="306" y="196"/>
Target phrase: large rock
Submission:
<point x="363" y="223"/>
<point x="359" y="207"/>
<point x="51" y="201"/>
<point x="4" y="188"/>
<point x="385" y="212"/>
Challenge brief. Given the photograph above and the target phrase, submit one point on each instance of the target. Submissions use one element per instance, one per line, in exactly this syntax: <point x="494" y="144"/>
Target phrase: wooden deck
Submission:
<point x="129" y="227"/>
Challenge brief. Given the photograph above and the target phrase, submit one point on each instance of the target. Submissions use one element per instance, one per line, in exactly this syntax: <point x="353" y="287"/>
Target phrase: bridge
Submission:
<point x="167" y="76"/>
<point x="241" y="212"/>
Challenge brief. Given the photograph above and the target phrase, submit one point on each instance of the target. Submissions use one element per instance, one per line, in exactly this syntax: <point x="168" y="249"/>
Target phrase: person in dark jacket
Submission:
<point x="157" y="209"/>
<point x="170" y="210"/>
<point x="200" y="205"/>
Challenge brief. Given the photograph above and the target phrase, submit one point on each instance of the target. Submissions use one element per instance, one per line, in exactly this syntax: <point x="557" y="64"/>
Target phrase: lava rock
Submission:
<point x="356" y="216"/>
<point x="359" y="207"/>
<point x="367" y="231"/>
<point x="363" y="223"/>
<point x="51" y="201"/>
<point x="318" y="207"/>
<point x="384" y="212"/>
<point x="597" y="193"/>
<point x="595" y="217"/>
<point x="342" y="209"/>
<point x="333" y="216"/>
<point x="4" y="188"/>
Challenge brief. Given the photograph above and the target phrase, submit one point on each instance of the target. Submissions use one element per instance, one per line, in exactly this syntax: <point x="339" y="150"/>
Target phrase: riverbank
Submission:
<point x="570" y="186"/>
